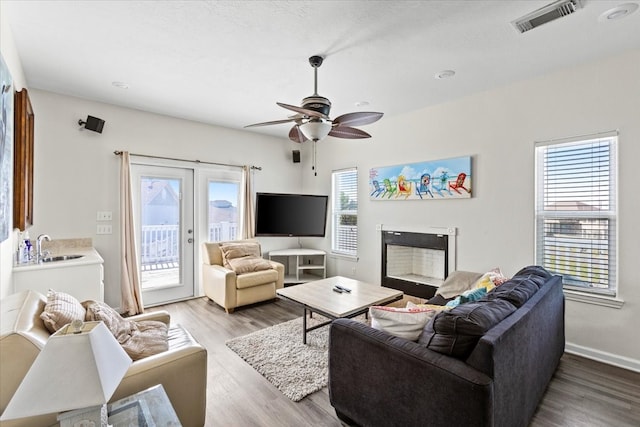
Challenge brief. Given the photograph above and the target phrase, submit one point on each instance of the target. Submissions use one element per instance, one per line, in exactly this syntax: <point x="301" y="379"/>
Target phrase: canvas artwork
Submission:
<point x="431" y="180"/>
<point x="6" y="150"/>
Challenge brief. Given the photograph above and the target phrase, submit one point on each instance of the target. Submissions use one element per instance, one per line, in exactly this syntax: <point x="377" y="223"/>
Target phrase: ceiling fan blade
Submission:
<point x="348" y="133"/>
<point x="296" y="135"/>
<point x="357" y="119"/>
<point x="306" y="112"/>
<point x="275" y="122"/>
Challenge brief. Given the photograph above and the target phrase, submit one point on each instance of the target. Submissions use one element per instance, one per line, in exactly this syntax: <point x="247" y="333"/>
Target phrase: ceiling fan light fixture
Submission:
<point x="315" y="130"/>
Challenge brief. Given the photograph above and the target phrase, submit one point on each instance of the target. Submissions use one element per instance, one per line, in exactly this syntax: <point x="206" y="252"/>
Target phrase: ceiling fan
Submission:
<point x="312" y="122"/>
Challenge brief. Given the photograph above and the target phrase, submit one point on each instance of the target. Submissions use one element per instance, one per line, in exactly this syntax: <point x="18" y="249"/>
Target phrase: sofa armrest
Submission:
<point x="159" y="316"/>
<point x="280" y="269"/>
<point x="375" y="376"/>
<point x="182" y="370"/>
<point x="219" y="284"/>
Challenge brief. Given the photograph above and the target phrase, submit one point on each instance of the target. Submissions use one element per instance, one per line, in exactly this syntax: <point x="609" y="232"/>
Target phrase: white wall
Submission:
<point x="496" y="226"/>
<point x="77" y="174"/>
<point x="11" y="58"/>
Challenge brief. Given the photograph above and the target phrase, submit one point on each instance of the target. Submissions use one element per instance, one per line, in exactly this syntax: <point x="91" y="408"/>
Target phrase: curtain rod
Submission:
<point x="118" y="153"/>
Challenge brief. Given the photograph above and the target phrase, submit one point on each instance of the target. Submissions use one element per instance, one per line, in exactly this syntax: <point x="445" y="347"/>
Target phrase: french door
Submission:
<point x="164" y="217"/>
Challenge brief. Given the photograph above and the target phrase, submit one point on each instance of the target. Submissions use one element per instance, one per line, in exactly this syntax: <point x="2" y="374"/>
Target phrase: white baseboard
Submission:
<point x="604" y="357"/>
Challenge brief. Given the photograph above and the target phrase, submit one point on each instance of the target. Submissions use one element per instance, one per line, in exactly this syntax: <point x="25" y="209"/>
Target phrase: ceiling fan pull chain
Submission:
<point x="315" y="170"/>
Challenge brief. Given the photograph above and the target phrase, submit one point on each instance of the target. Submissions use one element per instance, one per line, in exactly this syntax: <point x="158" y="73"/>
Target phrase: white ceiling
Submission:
<point x="227" y="62"/>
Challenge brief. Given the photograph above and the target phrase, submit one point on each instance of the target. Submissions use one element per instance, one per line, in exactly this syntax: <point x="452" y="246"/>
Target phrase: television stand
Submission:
<point x="301" y="265"/>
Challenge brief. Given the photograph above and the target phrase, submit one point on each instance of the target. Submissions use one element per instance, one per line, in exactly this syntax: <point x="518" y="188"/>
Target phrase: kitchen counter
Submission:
<point x="89" y="256"/>
<point x="81" y="277"/>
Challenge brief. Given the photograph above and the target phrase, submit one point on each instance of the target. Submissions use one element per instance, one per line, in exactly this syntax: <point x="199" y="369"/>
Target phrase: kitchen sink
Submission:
<point x="61" y="258"/>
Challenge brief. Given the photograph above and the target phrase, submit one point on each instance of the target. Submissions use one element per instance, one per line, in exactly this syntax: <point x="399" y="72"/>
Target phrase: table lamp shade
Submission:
<point x="74" y="370"/>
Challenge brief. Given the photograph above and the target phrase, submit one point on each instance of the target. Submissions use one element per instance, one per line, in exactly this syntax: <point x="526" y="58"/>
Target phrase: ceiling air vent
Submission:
<point x="546" y="14"/>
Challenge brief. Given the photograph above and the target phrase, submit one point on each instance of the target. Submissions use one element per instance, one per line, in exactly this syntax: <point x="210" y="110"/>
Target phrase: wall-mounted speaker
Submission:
<point x="93" y="123"/>
<point x="296" y="156"/>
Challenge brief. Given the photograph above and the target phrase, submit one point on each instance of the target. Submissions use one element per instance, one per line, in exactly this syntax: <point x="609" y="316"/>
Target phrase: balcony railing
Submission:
<point x="160" y="245"/>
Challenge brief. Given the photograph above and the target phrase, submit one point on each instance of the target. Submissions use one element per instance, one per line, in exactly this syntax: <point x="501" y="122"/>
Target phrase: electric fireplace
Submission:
<point x="417" y="263"/>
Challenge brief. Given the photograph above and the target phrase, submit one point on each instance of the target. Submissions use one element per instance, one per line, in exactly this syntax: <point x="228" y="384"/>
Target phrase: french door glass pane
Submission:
<point x="223" y="213"/>
<point x="160" y="240"/>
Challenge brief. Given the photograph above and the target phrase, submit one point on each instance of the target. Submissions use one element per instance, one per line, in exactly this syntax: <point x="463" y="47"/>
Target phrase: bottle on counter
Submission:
<point x="20" y="253"/>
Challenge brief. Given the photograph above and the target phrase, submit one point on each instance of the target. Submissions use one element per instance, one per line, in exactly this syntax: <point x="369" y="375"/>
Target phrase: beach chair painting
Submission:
<point x="459" y="184"/>
<point x="377" y="188"/>
<point x="424" y="186"/>
<point x="429" y="180"/>
<point x="389" y="188"/>
<point x="404" y="187"/>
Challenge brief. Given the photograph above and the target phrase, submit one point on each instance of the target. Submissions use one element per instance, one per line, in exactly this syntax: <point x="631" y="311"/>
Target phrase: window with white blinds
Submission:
<point x="344" y="190"/>
<point x="576" y="212"/>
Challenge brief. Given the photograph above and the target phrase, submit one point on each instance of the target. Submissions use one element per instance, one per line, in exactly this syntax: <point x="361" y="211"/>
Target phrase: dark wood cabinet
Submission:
<point x="23" y="161"/>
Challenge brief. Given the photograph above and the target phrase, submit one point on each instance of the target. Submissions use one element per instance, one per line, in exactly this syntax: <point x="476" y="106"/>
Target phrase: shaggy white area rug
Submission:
<point x="277" y="353"/>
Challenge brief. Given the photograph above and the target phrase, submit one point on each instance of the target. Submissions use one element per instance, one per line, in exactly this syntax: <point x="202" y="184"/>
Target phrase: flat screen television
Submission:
<point x="301" y="215"/>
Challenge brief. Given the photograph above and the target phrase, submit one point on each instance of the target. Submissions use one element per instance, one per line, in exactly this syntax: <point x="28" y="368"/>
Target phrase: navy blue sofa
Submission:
<point x="483" y="363"/>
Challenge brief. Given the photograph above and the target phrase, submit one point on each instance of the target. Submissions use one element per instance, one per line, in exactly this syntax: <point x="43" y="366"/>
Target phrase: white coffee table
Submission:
<point x="318" y="297"/>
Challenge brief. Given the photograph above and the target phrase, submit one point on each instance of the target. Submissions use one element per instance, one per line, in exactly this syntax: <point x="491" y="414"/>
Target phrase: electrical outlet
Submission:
<point x="105" y="216"/>
<point x="104" y="229"/>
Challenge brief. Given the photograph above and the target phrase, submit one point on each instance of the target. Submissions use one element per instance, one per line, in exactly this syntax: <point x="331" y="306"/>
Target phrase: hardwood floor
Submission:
<point x="582" y="392"/>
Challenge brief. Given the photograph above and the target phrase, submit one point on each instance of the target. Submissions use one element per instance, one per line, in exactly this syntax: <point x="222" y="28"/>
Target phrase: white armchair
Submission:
<point x="231" y="289"/>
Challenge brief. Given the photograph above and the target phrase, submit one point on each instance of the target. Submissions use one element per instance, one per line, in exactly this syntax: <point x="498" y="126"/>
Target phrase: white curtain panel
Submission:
<point x="131" y="292"/>
<point x="248" y="229"/>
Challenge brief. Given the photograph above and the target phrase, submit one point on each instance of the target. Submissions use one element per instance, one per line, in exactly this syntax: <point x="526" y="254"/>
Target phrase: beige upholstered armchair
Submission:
<point x="182" y="369"/>
<point x="235" y="274"/>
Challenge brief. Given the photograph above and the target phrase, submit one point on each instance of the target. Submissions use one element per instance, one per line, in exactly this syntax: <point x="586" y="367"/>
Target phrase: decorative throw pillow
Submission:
<point x="61" y="309"/>
<point x="138" y="339"/>
<point x="239" y="250"/>
<point x="467" y="296"/>
<point x="457" y="282"/>
<point x="405" y="323"/>
<point x="249" y="264"/>
<point x="436" y="307"/>
<point x="473" y="295"/>
<point x="243" y="257"/>
<point x="490" y="279"/>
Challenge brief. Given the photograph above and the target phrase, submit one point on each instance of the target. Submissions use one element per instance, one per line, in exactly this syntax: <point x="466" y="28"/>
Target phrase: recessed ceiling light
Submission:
<point x="445" y="74"/>
<point x="362" y="103"/>
<point x="618" y="12"/>
<point x="121" y="85"/>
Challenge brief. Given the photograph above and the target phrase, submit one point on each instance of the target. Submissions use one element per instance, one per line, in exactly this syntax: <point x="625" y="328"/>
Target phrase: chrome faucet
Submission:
<point x="39" y="240"/>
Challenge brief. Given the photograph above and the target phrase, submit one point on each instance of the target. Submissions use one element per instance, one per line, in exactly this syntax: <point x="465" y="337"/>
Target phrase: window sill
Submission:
<point x="611" y="302"/>
<point x="346" y="257"/>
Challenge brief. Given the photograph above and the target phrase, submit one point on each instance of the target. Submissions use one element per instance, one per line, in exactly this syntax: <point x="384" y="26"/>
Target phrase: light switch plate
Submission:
<point x="104" y="229"/>
<point x="105" y="216"/>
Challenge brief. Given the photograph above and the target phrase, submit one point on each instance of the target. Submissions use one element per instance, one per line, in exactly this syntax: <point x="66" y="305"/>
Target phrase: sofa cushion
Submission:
<point x="406" y="323"/>
<point x="517" y="291"/>
<point x="60" y="309"/>
<point x="438" y="299"/>
<point x="535" y="273"/>
<point x="457" y="282"/>
<point x="139" y="339"/>
<point x="249" y="280"/>
<point x="456" y="332"/>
